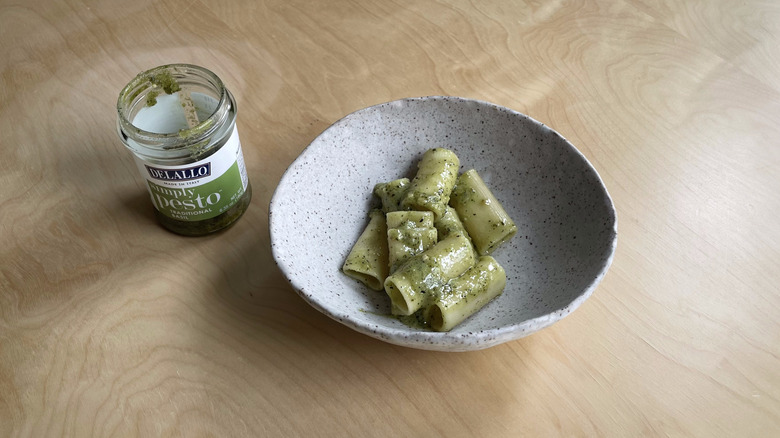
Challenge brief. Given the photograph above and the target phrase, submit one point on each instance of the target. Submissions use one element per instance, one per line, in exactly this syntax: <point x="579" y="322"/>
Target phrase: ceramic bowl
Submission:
<point x="567" y="226"/>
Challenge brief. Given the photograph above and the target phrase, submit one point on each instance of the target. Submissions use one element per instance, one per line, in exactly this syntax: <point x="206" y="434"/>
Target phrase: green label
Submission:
<point x="199" y="202"/>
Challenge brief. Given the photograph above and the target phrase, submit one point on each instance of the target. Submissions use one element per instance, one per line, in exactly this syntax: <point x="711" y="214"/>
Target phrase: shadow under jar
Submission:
<point x="179" y="121"/>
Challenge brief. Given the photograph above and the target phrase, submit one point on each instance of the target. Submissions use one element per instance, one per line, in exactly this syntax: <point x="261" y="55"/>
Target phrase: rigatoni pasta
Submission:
<point x="368" y="261"/>
<point x="391" y="193"/>
<point x="428" y="246"/>
<point x="483" y="216"/>
<point x="431" y="187"/>
<point x="465" y="295"/>
<point x="449" y="223"/>
<point x="419" y="278"/>
<point x="408" y="233"/>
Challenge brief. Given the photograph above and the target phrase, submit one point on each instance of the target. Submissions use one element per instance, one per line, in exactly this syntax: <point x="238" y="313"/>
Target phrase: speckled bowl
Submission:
<point x="567" y="226"/>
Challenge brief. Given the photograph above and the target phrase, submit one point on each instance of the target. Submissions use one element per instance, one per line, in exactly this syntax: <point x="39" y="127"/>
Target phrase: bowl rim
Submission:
<point x="431" y="340"/>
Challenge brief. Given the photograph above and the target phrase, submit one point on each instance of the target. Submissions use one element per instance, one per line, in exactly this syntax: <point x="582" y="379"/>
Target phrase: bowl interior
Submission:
<point x="566" y="221"/>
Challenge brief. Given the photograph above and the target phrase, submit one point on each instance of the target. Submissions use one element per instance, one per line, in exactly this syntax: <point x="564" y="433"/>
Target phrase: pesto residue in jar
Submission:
<point x="165" y="80"/>
<point x="197" y="130"/>
<point x="162" y="80"/>
<point x="207" y="226"/>
<point x="151" y="98"/>
<point x="159" y="79"/>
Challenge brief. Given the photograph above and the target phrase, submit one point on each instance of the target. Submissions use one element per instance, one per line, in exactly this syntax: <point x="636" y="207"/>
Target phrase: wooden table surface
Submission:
<point x="112" y="326"/>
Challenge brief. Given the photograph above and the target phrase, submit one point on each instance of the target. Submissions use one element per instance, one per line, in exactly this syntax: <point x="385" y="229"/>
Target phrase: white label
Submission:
<point x="199" y="190"/>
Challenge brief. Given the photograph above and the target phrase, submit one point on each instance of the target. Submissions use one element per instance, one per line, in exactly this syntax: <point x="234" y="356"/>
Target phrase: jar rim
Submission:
<point x="141" y="82"/>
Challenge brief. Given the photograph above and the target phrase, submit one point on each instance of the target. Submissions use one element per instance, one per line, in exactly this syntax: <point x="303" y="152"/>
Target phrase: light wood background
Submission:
<point x="111" y="326"/>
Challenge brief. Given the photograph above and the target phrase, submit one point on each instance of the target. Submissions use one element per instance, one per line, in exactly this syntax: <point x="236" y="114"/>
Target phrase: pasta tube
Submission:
<point x="391" y="193"/>
<point x="411" y="286"/>
<point x="421" y="219"/>
<point x="367" y="261"/>
<point x="465" y="295"/>
<point x="449" y="223"/>
<point x="485" y="219"/>
<point x="408" y="233"/>
<point x="430" y="189"/>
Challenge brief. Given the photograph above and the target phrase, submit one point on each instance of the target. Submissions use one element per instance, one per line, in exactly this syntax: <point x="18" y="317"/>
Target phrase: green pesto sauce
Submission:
<point x="197" y="129"/>
<point x="161" y="79"/>
<point x="415" y="320"/>
<point x="151" y="98"/>
<point x="449" y="224"/>
<point x="471" y="287"/>
<point x="360" y="264"/>
<point x="411" y="236"/>
<point x="206" y="226"/>
<point x="195" y="132"/>
<point x="420" y="272"/>
<point x="164" y="79"/>
<point x="462" y="194"/>
<point x="391" y="194"/>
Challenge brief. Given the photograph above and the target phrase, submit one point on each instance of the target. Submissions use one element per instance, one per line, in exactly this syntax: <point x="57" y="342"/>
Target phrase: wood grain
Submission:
<point x="110" y="326"/>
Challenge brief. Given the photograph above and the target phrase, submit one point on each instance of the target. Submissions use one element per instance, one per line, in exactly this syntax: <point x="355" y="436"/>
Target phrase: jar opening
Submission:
<point x="151" y="108"/>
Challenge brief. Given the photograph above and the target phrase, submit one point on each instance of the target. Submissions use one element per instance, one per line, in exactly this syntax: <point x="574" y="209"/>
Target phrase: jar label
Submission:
<point x="200" y="190"/>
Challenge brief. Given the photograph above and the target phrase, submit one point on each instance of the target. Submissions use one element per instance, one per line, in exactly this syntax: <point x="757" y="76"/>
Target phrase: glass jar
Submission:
<point x="179" y="121"/>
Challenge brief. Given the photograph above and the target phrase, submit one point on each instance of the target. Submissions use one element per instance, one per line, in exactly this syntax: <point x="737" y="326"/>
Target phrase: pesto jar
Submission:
<point x="179" y="121"/>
